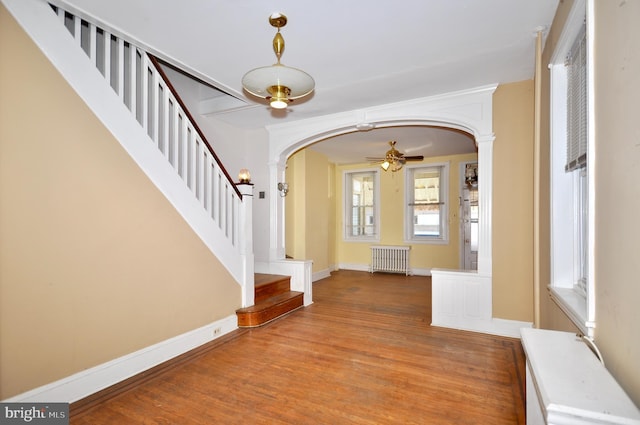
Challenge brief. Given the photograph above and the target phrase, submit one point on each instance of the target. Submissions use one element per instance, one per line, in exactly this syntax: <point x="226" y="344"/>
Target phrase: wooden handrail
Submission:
<point x="156" y="63"/>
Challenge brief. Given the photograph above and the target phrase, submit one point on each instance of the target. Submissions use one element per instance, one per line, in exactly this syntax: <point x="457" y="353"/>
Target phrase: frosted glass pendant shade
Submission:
<point x="265" y="81"/>
<point x="278" y="83"/>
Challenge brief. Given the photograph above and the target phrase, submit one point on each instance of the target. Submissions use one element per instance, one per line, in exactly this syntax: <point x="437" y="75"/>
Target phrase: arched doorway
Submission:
<point x="469" y="111"/>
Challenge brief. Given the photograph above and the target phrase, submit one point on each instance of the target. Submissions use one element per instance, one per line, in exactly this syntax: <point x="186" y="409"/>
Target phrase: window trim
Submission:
<point x="347" y="205"/>
<point x="409" y="237"/>
<point x="578" y="306"/>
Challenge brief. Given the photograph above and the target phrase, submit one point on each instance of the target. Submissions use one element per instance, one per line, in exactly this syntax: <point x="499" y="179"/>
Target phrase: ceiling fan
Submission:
<point x="394" y="159"/>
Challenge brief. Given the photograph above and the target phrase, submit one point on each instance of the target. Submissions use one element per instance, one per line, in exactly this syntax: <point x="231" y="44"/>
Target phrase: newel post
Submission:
<point x="245" y="242"/>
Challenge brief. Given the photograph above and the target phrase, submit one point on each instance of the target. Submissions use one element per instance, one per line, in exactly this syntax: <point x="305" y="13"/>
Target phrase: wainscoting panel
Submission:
<point x="462" y="300"/>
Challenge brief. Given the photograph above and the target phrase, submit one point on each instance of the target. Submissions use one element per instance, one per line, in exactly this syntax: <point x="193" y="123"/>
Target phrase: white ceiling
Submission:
<point x="361" y="53"/>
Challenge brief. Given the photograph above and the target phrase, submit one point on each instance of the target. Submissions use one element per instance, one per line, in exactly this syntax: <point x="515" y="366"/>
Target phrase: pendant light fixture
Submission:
<point x="279" y="84"/>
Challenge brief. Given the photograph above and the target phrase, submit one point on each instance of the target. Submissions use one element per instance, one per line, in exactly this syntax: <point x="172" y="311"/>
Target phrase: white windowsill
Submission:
<point x="362" y="240"/>
<point x="427" y="241"/>
<point x="574" y="306"/>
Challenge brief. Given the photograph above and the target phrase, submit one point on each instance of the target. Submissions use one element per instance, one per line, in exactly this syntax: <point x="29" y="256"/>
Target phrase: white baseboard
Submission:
<point x="365" y="268"/>
<point x="421" y="272"/>
<point x="90" y="381"/>
<point x="322" y="274"/>
<point x="500" y="327"/>
<point x="355" y="267"/>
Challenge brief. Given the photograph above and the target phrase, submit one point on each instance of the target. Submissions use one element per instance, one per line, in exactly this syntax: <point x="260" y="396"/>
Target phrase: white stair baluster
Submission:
<point x="133" y="73"/>
<point x="144" y="92"/>
<point x="120" y="74"/>
<point x="107" y="57"/>
<point x="92" y="43"/>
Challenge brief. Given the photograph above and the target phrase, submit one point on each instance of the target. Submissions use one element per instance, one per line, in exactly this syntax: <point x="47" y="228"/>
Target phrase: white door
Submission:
<point x="469" y="214"/>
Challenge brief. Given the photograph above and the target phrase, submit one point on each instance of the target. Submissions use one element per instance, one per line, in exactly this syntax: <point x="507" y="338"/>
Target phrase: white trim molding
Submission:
<point x="469" y="110"/>
<point x="564" y="187"/>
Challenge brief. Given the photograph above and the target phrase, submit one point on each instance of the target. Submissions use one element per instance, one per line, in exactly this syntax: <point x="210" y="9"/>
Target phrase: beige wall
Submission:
<point x="617" y="238"/>
<point x="513" y="201"/>
<point x="94" y="262"/>
<point x="617" y="201"/>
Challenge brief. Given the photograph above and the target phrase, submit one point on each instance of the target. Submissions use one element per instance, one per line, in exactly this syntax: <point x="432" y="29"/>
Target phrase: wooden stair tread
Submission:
<point x="260" y="279"/>
<point x="269" y="309"/>
<point x="270" y="302"/>
<point x="273" y="298"/>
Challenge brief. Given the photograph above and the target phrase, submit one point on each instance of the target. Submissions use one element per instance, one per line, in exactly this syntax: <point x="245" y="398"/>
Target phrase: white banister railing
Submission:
<point x="139" y="82"/>
<point x="141" y="85"/>
<point x="144" y="89"/>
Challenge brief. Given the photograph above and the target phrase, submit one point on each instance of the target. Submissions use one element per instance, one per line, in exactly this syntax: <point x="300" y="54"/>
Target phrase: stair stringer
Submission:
<point x="41" y="24"/>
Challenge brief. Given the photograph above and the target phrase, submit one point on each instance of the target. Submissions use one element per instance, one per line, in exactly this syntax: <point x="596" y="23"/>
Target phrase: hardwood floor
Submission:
<point x="363" y="353"/>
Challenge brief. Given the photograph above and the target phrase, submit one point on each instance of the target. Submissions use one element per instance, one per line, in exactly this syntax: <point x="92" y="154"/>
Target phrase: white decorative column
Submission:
<point x="245" y="243"/>
<point x="485" y="196"/>
<point x="277" y="209"/>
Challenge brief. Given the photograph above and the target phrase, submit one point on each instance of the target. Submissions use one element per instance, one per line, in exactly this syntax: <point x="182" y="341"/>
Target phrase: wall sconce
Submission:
<point x="244" y="176"/>
<point x="283" y="188"/>
<point x="471" y="175"/>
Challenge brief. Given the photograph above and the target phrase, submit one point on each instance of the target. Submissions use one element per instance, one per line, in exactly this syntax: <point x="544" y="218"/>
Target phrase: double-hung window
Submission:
<point x="571" y="177"/>
<point x="576" y="163"/>
<point x="361" y="205"/>
<point x="426" y="217"/>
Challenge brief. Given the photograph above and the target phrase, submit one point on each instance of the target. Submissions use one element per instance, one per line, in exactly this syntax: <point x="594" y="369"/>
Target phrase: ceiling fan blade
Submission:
<point x="414" y="158"/>
<point x="375" y="159"/>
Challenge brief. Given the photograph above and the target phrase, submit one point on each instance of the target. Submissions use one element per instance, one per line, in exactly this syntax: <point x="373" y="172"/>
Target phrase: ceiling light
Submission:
<point x="395" y="159"/>
<point x="279" y="84"/>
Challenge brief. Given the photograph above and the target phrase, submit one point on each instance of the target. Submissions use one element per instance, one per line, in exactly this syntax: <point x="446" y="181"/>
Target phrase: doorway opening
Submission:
<point x="469" y="217"/>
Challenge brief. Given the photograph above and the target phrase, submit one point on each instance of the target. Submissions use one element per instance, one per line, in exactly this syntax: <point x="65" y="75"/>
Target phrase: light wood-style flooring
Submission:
<point x="363" y="353"/>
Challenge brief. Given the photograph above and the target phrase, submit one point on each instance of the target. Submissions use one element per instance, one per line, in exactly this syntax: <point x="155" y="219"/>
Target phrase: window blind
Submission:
<point x="577" y="104"/>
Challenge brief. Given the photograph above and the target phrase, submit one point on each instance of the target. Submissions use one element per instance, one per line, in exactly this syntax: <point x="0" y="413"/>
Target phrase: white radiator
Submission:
<point x="394" y="259"/>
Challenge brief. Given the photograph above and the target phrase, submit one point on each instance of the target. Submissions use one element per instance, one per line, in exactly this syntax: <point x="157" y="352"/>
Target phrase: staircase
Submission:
<point x="129" y="93"/>
<point x="273" y="299"/>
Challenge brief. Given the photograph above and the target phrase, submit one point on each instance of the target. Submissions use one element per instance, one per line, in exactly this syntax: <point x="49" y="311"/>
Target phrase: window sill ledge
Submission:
<point x="574" y="306"/>
<point x="361" y="240"/>
<point x="427" y="241"/>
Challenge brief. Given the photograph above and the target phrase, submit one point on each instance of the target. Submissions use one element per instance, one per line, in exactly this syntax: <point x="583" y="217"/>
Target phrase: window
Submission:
<point x="576" y="163"/>
<point x="361" y="205"/>
<point x="426" y="213"/>
<point x="571" y="179"/>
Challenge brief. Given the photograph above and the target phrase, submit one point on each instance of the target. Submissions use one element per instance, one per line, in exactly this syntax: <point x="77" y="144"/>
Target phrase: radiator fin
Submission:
<point x="393" y="259"/>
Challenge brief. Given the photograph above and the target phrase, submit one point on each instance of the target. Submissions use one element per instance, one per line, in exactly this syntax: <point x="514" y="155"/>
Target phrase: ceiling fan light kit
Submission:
<point x="278" y="83"/>
<point x="394" y="160"/>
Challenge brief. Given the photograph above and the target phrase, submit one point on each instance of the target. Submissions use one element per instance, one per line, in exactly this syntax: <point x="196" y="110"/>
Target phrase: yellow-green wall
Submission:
<point x="294" y="215"/>
<point x="392" y="207"/>
<point x="617" y="199"/>
<point x="94" y="261"/>
<point x="309" y="206"/>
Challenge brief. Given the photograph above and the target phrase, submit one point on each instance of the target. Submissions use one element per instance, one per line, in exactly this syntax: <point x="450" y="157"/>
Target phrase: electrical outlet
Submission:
<point x="217" y="331"/>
